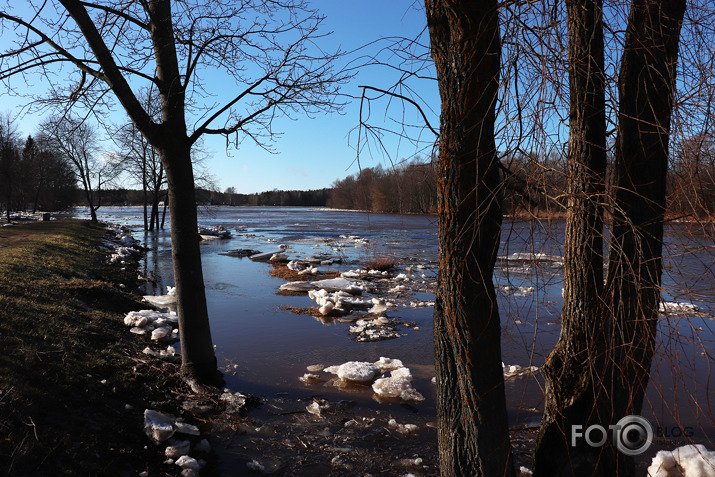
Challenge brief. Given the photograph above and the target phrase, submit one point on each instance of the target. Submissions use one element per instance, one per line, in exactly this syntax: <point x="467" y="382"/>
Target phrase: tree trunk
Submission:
<point x="473" y="426"/>
<point x="632" y="291"/>
<point x="144" y="187"/>
<point x="198" y="361"/>
<point x="618" y="347"/>
<point x="568" y="367"/>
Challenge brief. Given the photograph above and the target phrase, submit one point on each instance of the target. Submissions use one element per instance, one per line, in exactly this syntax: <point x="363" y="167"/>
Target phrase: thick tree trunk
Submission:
<point x="198" y="361"/>
<point x="473" y="426"/>
<point x="632" y="292"/>
<point x="618" y="346"/>
<point x="568" y="367"/>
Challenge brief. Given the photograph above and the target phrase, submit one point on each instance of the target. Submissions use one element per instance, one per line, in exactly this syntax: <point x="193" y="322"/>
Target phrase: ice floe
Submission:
<point x="525" y="257"/>
<point x="355" y="371"/>
<point x="680" y="308"/>
<point x="394" y="380"/>
<point x="210" y="232"/>
<point x="354" y="287"/>
<point x="686" y="461"/>
<point x="264" y="256"/>
<point x="340" y="301"/>
<point x="162" y="301"/>
<point x="516" y="371"/>
<point x="397" y="385"/>
<point x="379" y="329"/>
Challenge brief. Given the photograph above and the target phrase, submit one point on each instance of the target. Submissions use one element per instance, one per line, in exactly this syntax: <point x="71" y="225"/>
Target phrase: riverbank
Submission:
<point x="73" y="383"/>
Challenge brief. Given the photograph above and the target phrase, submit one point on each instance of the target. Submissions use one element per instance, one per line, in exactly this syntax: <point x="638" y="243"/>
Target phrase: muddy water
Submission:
<point x="264" y="349"/>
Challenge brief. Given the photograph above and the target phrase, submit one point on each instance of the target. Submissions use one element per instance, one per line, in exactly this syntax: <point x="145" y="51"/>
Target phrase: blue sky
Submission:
<point x="313" y="153"/>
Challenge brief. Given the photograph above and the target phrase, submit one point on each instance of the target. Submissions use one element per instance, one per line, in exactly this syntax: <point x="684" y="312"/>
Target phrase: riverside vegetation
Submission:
<point x="73" y="387"/>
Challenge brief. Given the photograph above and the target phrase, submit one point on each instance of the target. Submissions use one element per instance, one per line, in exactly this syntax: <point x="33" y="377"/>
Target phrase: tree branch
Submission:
<point x="404" y="98"/>
<point x="113" y="76"/>
<point x="118" y="13"/>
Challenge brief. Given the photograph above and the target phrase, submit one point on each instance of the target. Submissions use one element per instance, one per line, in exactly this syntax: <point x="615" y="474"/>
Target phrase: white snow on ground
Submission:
<point x="686" y="461"/>
<point x="159" y="324"/>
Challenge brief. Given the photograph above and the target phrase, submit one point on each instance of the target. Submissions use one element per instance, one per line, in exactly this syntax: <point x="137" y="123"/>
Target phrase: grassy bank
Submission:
<point x="73" y="384"/>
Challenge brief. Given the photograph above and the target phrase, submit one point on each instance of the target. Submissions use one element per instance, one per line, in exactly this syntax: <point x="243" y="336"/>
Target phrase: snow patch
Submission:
<point x="687" y="461"/>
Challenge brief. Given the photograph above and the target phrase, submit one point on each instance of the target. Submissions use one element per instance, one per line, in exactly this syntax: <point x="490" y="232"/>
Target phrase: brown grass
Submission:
<point x="281" y="270"/>
<point x="61" y="334"/>
<point x="382" y="264"/>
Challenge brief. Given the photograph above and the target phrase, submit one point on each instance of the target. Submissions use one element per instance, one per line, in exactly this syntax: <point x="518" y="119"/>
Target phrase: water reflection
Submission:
<point x="265" y="348"/>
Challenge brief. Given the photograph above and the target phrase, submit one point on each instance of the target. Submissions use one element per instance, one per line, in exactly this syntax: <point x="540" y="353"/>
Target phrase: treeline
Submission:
<point x="534" y="185"/>
<point x="275" y="197"/>
<point x="281" y="198"/>
<point x="410" y="188"/>
<point x="537" y="186"/>
<point x="34" y="174"/>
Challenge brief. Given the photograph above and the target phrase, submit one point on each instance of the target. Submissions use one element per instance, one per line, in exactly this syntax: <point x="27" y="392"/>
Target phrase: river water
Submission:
<point x="264" y="349"/>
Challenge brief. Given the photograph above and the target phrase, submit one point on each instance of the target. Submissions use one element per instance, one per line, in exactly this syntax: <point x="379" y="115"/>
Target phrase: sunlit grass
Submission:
<point x="61" y="335"/>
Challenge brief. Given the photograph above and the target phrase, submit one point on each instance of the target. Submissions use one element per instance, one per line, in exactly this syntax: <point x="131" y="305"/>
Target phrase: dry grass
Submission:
<point x="382" y="264"/>
<point x="61" y="335"/>
<point x="281" y="270"/>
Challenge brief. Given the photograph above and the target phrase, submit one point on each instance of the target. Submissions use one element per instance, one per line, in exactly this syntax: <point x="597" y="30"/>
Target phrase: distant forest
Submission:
<point x="410" y="188"/>
<point x="533" y="186"/>
<point x="281" y="198"/>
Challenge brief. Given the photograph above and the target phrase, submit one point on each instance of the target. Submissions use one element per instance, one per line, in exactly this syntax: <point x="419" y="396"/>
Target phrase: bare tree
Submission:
<point x="564" y="370"/>
<point x="77" y="141"/>
<point x="267" y="56"/>
<point x="600" y="367"/>
<point x="53" y="182"/>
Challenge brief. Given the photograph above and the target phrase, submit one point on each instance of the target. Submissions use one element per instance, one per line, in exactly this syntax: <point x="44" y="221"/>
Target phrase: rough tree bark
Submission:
<point x="616" y="345"/>
<point x="473" y="427"/>
<point x="567" y="368"/>
<point x="646" y="85"/>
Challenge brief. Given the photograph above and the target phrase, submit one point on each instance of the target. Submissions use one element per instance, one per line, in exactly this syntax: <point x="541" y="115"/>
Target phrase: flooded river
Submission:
<point x="264" y="348"/>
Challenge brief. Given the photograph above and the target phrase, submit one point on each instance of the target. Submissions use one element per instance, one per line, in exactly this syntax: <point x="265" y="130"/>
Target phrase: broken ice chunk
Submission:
<point x="516" y="371"/>
<point x="189" y="429"/>
<point x="397" y="385"/>
<point x="326" y="308"/>
<point x="186" y="462"/>
<point x="356" y="371"/>
<point x="309" y="378"/>
<point x="160" y="333"/>
<point x="695" y="460"/>
<point x="157" y="426"/>
<point x="388" y="364"/>
<point x="177" y="449"/>
<point x="403" y="429"/>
